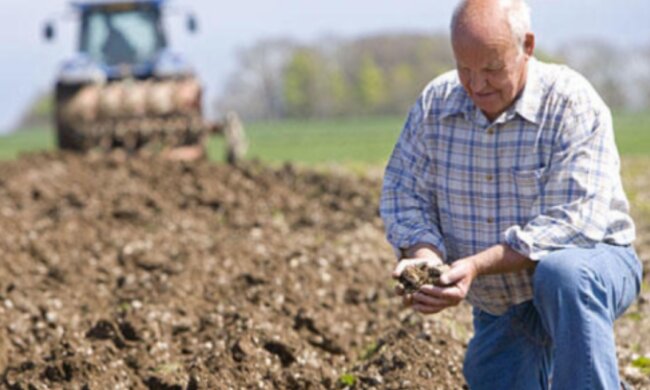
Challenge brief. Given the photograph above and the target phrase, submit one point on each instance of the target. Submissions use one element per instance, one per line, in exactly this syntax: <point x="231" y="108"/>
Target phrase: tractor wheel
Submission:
<point x="68" y="139"/>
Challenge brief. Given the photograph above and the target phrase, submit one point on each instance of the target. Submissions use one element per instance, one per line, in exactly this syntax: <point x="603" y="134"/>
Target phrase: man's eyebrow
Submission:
<point x="490" y="65"/>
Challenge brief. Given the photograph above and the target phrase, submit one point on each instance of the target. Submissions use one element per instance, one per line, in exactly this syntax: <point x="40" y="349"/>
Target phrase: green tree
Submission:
<point x="301" y="79"/>
<point x="403" y="87"/>
<point x="372" y="85"/>
<point x="338" y="93"/>
<point x="255" y="88"/>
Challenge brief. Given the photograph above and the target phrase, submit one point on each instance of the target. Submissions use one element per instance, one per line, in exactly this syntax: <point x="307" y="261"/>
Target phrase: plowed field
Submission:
<point x="149" y="274"/>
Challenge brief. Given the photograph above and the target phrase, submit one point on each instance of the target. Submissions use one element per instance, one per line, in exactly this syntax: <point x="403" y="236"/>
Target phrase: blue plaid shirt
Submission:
<point x="543" y="176"/>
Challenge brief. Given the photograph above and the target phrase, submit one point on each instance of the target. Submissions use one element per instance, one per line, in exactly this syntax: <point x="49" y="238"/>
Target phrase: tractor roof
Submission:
<point x="89" y="4"/>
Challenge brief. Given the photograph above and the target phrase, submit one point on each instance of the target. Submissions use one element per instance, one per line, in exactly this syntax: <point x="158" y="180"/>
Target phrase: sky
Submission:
<point x="29" y="64"/>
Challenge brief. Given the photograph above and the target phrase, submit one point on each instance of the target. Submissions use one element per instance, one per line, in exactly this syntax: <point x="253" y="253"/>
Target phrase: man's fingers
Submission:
<point x="398" y="270"/>
<point x="428" y="300"/>
<point x="452" y="276"/>
<point x="424" y="309"/>
<point x="427" y="304"/>
<point x="450" y="293"/>
<point x="405" y="263"/>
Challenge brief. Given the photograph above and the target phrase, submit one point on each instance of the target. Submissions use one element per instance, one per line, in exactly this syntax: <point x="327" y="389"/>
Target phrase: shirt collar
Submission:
<point x="458" y="102"/>
<point x="530" y="101"/>
<point x="527" y="104"/>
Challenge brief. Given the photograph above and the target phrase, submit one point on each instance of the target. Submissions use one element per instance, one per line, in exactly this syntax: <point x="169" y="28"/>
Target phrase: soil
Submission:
<point x="145" y="273"/>
<point x="142" y="273"/>
<point x="414" y="277"/>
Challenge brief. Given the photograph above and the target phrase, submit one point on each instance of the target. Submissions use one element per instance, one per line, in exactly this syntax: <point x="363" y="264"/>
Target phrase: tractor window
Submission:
<point x="124" y="37"/>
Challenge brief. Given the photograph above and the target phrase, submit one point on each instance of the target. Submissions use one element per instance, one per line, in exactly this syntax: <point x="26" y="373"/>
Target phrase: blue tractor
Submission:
<point x="124" y="88"/>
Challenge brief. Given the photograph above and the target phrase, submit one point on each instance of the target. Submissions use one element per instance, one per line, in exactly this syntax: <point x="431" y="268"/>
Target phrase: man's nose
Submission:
<point x="477" y="81"/>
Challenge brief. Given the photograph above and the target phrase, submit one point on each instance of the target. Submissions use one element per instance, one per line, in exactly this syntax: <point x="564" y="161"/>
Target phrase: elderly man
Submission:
<point x="507" y="169"/>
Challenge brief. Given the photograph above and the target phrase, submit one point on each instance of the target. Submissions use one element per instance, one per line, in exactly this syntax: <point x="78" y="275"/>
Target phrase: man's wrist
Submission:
<point x="422" y="250"/>
<point x="499" y="259"/>
<point x="475" y="262"/>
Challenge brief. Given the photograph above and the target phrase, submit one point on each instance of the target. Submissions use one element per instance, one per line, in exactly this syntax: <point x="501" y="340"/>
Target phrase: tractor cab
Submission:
<point x="122" y="37"/>
<point x="122" y="34"/>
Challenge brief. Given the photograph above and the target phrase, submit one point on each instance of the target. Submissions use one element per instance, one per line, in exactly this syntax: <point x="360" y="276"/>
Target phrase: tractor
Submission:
<point x="125" y="88"/>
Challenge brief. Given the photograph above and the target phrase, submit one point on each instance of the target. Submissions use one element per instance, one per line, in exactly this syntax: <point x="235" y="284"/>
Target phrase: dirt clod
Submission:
<point x="414" y="277"/>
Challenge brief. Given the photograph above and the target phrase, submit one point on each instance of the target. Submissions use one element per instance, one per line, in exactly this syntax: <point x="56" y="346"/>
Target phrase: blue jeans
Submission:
<point x="564" y="337"/>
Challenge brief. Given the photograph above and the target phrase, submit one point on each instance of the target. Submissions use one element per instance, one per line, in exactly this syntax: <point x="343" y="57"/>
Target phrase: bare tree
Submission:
<point x="255" y="88"/>
<point x="604" y="65"/>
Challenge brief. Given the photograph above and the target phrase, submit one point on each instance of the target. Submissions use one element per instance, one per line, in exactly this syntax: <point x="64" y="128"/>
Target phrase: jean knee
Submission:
<point x="560" y="273"/>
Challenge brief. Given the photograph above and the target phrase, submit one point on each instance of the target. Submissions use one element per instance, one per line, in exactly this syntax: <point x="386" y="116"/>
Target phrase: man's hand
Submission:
<point x="432" y="260"/>
<point x="406" y="263"/>
<point x="430" y="299"/>
<point x="433" y="299"/>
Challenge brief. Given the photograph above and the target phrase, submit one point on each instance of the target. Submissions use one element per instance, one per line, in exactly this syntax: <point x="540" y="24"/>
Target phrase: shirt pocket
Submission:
<point x="527" y="187"/>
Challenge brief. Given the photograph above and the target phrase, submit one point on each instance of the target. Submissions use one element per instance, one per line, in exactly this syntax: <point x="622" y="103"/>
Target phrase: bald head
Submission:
<point x="492" y="18"/>
<point x="492" y="44"/>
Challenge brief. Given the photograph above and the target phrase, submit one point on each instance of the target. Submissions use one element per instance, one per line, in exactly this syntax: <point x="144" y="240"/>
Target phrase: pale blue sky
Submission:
<point x="29" y="64"/>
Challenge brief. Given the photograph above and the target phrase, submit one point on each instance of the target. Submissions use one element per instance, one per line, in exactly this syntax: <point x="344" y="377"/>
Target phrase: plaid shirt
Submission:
<point x="543" y="176"/>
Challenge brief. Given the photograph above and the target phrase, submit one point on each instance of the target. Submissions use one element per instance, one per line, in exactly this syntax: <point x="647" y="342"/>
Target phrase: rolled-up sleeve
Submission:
<point x="408" y="202"/>
<point x="576" y="188"/>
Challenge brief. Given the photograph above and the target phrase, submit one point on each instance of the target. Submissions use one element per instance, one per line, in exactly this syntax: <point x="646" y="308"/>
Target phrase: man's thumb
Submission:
<point x="451" y="276"/>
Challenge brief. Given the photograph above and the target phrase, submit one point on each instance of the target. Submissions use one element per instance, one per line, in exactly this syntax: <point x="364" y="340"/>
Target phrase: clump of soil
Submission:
<point x="414" y="277"/>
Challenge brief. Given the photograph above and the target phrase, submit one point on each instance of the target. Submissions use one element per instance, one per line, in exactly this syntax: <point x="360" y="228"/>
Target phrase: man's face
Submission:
<point x="491" y="69"/>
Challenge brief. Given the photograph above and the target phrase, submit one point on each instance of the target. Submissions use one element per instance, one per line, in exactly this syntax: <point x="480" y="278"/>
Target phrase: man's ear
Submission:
<point x="529" y="44"/>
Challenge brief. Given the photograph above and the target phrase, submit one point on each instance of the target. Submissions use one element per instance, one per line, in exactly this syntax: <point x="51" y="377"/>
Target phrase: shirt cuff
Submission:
<point x="523" y="242"/>
<point x="419" y="237"/>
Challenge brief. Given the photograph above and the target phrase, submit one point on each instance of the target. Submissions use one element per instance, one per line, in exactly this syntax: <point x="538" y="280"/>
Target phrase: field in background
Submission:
<point x="357" y="141"/>
<point x="366" y="141"/>
<point x="24" y="141"/>
<point x="632" y="133"/>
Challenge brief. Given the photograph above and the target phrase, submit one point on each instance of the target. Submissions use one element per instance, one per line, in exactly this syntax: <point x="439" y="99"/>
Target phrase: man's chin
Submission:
<point x="488" y="103"/>
<point x="491" y="112"/>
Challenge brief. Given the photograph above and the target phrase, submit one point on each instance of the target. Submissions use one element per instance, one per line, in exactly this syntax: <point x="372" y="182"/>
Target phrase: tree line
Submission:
<point x="380" y="74"/>
<point x="384" y="73"/>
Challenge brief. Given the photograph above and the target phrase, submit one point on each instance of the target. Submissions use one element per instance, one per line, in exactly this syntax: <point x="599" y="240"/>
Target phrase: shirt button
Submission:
<point x="489" y="177"/>
<point x="490" y="220"/>
<point x="490" y="131"/>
